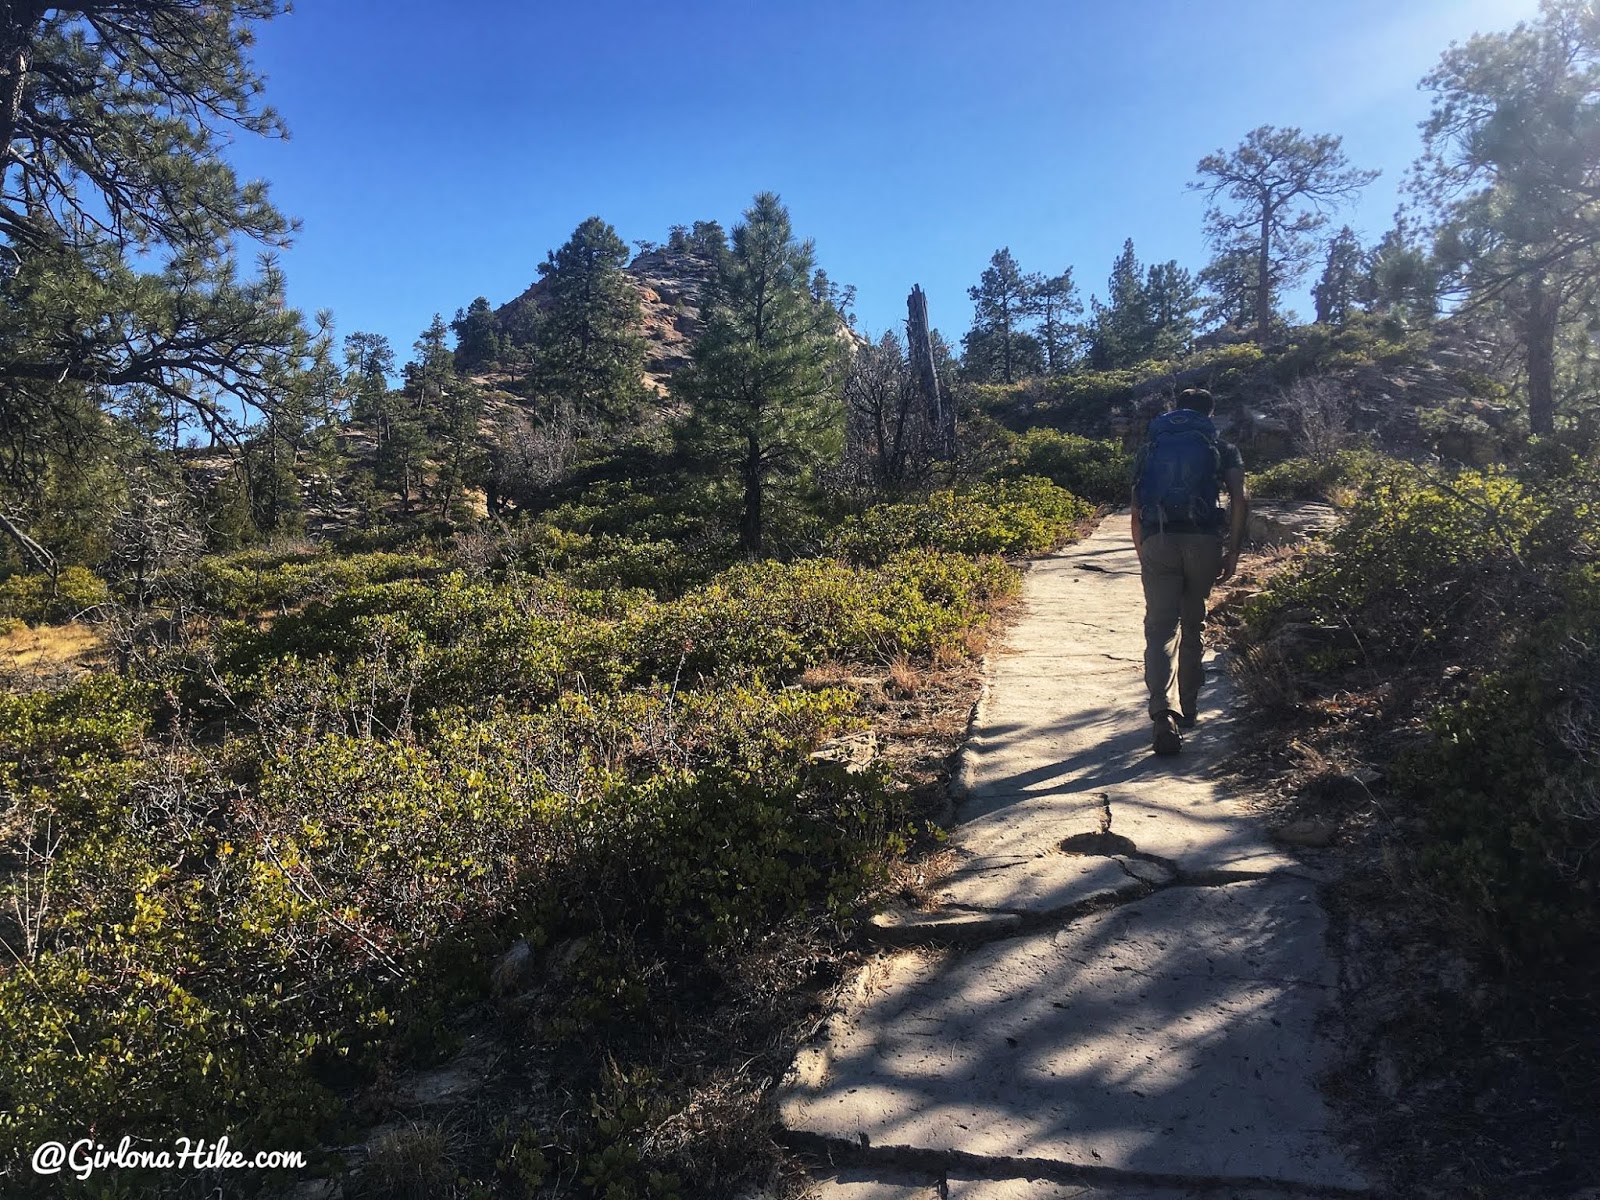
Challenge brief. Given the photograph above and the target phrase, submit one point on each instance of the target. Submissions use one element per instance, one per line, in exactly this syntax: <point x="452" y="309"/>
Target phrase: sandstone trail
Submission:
<point x="1119" y="991"/>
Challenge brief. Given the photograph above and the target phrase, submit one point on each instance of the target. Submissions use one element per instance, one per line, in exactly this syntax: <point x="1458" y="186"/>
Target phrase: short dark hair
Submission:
<point x="1198" y="399"/>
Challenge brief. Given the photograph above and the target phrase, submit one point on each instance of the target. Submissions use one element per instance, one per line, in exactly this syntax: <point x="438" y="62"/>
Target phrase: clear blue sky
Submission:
<point x="437" y="152"/>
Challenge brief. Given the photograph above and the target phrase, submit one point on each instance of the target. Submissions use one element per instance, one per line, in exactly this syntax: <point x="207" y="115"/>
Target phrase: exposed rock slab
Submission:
<point x="1280" y="523"/>
<point x="1147" y="1026"/>
<point x="903" y="926"/>
<point x="1041" y="886"/>
<point x="1174" y="1036"/>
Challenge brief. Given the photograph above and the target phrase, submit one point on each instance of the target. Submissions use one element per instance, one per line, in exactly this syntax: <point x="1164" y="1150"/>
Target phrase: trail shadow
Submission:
<point x="1173" y="1036"/>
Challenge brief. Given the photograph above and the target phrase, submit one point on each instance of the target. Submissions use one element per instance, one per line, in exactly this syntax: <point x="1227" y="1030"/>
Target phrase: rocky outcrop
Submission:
<point x="1280" y="523"/>
<point x="671" y="288"/>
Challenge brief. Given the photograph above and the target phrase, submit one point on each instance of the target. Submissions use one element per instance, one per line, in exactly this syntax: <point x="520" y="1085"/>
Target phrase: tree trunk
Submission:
<point x="1539" y="333"/>
<point x="750" y="526"/>
<point x="1263" y="279"/>
<point x="32" y="550"/>
<point x="881" y="431"/>
<point x="15" y="33"/>
<point x="1005" y="352"/>
<point x="919" y="341"/>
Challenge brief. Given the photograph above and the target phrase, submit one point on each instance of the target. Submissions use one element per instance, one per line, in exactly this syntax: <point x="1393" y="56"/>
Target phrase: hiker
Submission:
<point x="1178" y="534"/>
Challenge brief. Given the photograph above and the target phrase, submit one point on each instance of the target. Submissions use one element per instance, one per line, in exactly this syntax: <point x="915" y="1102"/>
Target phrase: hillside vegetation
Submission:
<point x="475" y="770"/>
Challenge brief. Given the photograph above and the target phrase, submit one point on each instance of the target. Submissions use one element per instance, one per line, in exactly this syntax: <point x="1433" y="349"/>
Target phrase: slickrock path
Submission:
<point x="1119" y="993"/>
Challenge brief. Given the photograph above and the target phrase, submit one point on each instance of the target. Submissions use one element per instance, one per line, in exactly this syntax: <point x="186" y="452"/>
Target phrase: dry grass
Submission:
<point x="48" y="653"/>
<point x="409" y="1163"/>
<point x="976" y="641"/>
<point x="831" y="673"/>
<point x="904" y="679"/>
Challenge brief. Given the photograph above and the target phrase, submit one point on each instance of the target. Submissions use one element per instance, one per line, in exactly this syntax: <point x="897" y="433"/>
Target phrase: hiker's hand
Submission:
<point x="1230" y="564"/>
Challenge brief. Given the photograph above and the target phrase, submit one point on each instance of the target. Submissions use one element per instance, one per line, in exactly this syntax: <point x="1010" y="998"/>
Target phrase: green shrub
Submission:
<point x="753" y="832"/>
<point x="779" y="618"/>
<point x="1508" y="783"/>
<point x="68" y="753"/>
<point x="39" y="600"/>
<point x="375" y="658"/>
<point x="608" y="560"/>
<point x="276" y="868"/>
<point x="1330" y="478"/>
<point x="253" y="581"/>
<point x="226" y="951"/>
<point x="1009" y="516"/>
<point x="1411" y="567"/>
<point x="1365" y="341"/>
<point x="1096" y="470"/>
<point x="1494" y="571"/>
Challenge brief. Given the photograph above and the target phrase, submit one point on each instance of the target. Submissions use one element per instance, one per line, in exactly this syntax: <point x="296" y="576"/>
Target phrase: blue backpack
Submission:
<point x="1181" y="475"/>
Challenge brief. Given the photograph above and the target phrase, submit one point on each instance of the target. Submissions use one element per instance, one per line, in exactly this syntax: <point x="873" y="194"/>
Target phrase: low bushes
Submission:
<point x="277" y="863"/>
<point x="237" y="951"/>
<point x="379" y="656"/>
<point x="254" y="581"/>
<point x="1366" y="340"/>
<point x="1333" y="478"/>
<point x="1493" y="571"/>
<point x="1423" y="562"/>
<point x="1009" y="516"/>
<point x="41" y="600"/>
<point x="1098" y="471"/>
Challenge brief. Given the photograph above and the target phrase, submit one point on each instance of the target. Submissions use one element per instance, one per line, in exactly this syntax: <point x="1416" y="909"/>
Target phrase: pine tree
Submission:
<point x="406" y="451"/>
<point x="762" y="389"/>
<point x="477" y="342"/>
<point x="1055" y="301"/>
<point x="1003" y="299"/>
<point x="1282" y="182"/>
<point x="458" y="455"/>
<point x="1172" y="299"/>
<point x="1230" y="280"/>
<point x="588" y="351"/>
<point x="369" y="361"/>
<point x="1401" y="277"/>
<point x="708" y="240"/>
<point x="1337" y="292"/>
<point x="1510" y="172"/>
<point x="272" y="461"/>
<point x="1122" y="329"/>
<point x="119" y="218"/>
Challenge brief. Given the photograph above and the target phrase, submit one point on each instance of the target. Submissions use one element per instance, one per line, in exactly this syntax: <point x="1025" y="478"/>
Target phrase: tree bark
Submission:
<point x="1539" y="334"/>
<point x="1263" y="280"/>
<point x="750" y="531"/>
<point x="16" y="30"/>
<point x="37" y="554"/>
<point x="919" y="341"/>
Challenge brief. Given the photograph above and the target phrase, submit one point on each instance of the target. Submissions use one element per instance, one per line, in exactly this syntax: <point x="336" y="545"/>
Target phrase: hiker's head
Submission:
<point x="1197" y="400"/>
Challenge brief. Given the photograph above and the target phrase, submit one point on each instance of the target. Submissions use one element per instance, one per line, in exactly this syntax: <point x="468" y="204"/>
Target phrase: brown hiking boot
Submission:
<point x="1167" y="738"/>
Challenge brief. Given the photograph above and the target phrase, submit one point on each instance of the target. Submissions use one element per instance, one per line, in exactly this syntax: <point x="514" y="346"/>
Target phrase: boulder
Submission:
<point x="514" y="970"/>
<point x="1278" y="523"/>
<point x="855" y="752"/>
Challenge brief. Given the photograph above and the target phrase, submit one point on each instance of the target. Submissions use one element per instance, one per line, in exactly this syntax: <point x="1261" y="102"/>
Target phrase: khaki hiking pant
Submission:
<point x="1178" y="570"/>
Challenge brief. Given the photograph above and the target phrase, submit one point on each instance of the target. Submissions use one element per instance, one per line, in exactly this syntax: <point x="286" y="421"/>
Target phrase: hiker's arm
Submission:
<point x="1238" y="515"/>
<point x="1138" y="531"/>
